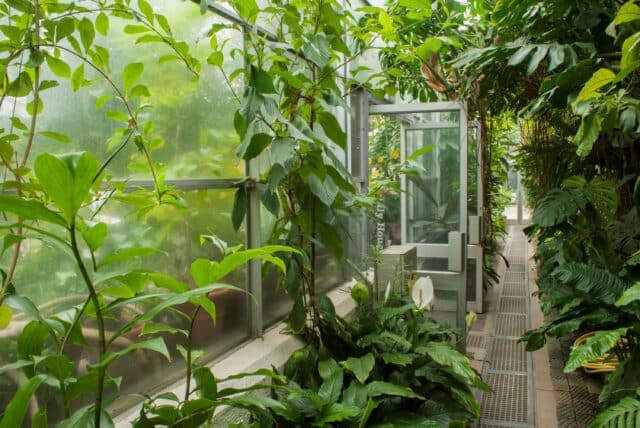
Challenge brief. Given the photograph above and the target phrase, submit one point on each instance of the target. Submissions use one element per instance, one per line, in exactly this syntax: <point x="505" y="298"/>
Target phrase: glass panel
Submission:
<point x="384" y="180"/>
<point x="473" y="169"/>
<point x="433" y="185"/>
<point x="49" y="278"/>
<point x="193" y="118"/>
<point x="471" y="279"/>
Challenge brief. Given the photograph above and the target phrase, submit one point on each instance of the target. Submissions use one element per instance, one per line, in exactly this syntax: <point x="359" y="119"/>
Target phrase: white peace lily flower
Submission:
<point x="422" y="293"/>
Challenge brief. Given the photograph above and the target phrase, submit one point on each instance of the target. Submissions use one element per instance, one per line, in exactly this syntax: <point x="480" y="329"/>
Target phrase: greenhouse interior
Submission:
<point x="320" y="213"/>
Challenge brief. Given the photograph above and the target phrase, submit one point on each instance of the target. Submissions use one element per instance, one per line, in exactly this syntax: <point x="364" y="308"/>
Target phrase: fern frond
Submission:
<point x="599" y="283"/>
<point x="624" y="414"/>
<point x="593" y="348"/>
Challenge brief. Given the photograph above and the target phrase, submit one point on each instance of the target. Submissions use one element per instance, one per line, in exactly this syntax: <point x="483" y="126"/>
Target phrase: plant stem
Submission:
<point x="99" y="320"/>
<point x="189" y="353"/>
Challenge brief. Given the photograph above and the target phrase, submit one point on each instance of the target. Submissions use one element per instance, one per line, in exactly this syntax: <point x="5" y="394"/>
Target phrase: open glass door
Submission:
<point x="433" y="196"/>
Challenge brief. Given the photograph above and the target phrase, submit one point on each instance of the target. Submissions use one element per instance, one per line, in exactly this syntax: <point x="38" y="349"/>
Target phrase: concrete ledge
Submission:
<point x="272" y="349"/>
<point x="545" y="397"/>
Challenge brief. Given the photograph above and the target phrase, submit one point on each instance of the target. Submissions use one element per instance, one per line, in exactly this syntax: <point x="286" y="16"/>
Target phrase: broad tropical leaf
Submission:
<point x="593" y="348"/>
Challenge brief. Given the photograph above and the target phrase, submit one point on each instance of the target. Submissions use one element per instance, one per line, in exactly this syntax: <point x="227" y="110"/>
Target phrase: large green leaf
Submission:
<point x="205" y="272"/>
<point x="331" y="388"/>
<point x="594" y="347"/>
<point x="155" y="344"/>
<point x="332" y="128"/>
<point x="167" y="300"/>
<point x="336" y="412"/>
<point x="316" y="49"/>
<point x="520" y="54"/>
<point x="600" y="78"/>
<point x="131" y="74"/>
<point x="588" y="133"/>
<point x="445" y="355"/>
<point x="15" y="411"/>
<point x="539" y="55"/>
<point x="379" y="388"/>
<point x="630" y="295"/>
<point x="627" y="13"/>
<point x="126" y="254"/>
<point x="206" y="384"/>
<point x="67" y="179"/>
<point x="29" y="209"/>
<point x="360" y="367"/>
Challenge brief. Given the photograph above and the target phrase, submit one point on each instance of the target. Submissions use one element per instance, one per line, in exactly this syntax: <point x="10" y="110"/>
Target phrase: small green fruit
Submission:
<point x="298" y="357"/>
<point x="359" y="293"/>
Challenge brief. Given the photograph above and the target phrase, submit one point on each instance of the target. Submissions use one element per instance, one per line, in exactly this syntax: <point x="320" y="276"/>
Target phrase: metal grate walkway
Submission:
<point x="507" y="367"/>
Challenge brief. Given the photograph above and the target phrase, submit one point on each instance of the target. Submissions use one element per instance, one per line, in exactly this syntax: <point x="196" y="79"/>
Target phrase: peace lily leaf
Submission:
<point x="599" y="79"/>
<point x="378" y="388"/>
<point x="339" y="412"/>
<point x="331" y="388"/>
<point x="326" y="368"/>
<point x="17" y="408"/>
<point x="593" y="348"/>
<point x="360" y="367"/>
<point x="444" y="354"/>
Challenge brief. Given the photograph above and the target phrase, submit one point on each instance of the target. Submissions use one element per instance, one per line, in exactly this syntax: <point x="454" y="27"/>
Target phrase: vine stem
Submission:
<point x="27" y="151"/>
<point x="189" y="352"/>
<point x="99" y="320"/>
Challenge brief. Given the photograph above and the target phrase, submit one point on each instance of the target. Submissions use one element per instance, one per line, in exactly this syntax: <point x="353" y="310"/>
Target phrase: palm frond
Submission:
<point x="624" y="414"/>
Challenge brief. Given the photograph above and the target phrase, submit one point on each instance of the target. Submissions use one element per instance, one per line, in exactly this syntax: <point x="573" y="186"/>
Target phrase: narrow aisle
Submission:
<point x="507" y="367"/>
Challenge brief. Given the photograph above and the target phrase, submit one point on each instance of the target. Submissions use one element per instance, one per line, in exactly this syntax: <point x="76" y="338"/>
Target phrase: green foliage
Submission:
<point x="386" y="361"/>
<point x="625" y="414"/>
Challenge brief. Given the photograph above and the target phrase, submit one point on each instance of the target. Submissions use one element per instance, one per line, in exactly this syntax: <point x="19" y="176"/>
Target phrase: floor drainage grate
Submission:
<point x="512" y="325"/>
<point x="508" y="355"/>
<point x="514" y="305"/>
<point x="514" y="277"/>
<point x="513" y="290"/>
<point x="475" y="341"/>
<point x="509" y="400"/>
<point x="516" y="267"/>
